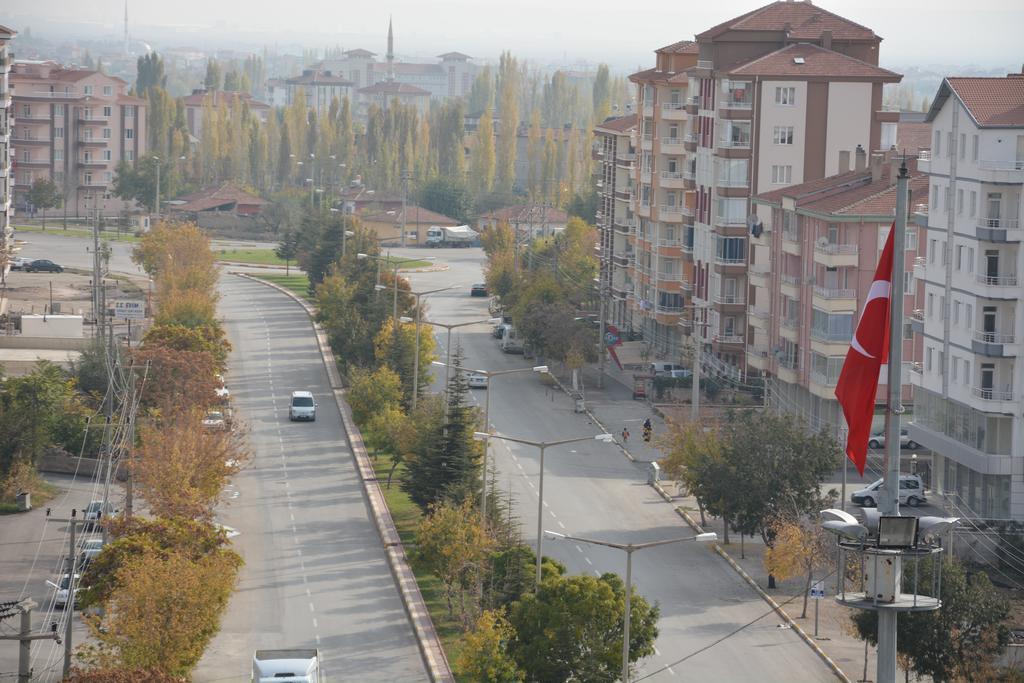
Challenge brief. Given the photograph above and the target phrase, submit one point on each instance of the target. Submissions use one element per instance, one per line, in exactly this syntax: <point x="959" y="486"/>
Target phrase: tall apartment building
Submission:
<point x="614" y="157"/>
<point x="969" y="389"/>
<point x="6" y="119"/>
<point x="760" y="102"/>
<point x="812" y="262"/>
<point x="664" y="198"/>
<point x="74" y="126"/>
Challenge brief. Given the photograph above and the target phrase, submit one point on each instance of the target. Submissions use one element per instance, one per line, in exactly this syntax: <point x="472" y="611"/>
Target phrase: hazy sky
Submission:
<point x="949" y="32"/>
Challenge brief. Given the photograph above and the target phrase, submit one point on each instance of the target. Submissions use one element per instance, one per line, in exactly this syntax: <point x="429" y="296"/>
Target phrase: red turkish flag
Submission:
<point x="869" y="350"/>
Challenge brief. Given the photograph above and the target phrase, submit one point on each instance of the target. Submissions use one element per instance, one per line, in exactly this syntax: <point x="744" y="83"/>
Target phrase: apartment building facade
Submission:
<point x="74" y="126"/>
<point x="812" y="261"/>
<point x="6" y="182"/>
<point x="660" y="238"/>
<point x="614" y="153"/>
<point x="776" y="95"/>
<point x="970" y="387"/>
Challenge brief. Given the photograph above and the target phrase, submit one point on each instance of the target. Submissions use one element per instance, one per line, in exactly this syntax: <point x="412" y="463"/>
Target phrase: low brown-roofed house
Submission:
<point x="530" y="220"/>
<point x="227" y="197"/>
<point x="387" y="224"/>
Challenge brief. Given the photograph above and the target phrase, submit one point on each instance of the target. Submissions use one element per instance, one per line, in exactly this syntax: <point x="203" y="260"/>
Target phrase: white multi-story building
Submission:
<point x="6" y="184"/>
<point x="968" y="405"/>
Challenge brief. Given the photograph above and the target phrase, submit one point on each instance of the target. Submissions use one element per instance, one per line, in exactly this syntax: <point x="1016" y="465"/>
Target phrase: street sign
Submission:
<point x="818" y="590"/>
<point x="130" y="309"/>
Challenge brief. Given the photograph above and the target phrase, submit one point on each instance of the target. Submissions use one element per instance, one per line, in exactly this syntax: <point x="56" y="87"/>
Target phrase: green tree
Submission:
<point x="31" y="408"/>
<point x="508" y="87"/>
<point x="960" y="641"/>
<point x="482" y="163"/>
<point x="448" y="196"/>
<point x="138" y="183"/>
<point x="44" y="194"/>
<point x="370" y="392"/>
<point x="214" y="75"/>
<point x="287" y="249"/>
<point x="448" y="465"/>
<point x="149" y="74"/>
<point x="799" y="547"/>
<point x="571" y="629"/>
<point x="601" y="93"/>
<point x="399" y="352"/>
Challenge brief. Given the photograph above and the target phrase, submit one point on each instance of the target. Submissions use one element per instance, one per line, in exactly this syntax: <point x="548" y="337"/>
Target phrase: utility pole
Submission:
<point x="156" y="205"/>
<point x="73" y="522"/>
<point x="25" y="638"/>
<point x="406" y="175"/>
<point x="695" y="384"/>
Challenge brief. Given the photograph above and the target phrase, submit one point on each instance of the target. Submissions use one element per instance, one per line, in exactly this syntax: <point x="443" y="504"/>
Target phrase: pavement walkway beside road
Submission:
<point x="614" y="408"/>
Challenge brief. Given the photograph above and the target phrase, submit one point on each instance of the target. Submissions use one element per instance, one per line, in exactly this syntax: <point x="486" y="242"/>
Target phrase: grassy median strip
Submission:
<point x="299" y="284"/>
<point x="256" y="257"/>
<point x="407" y="516"/>
<point x="55" y="229"/>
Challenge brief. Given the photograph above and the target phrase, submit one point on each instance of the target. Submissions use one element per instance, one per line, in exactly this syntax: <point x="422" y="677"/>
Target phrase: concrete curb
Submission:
<point x="429" y="642"/>
<point x="753" y="584"/>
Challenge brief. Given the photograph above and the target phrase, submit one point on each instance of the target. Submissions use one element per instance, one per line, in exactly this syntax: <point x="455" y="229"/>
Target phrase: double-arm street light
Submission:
<point x="448" y="348"/>
<point x="487" y="415"/>
<point x="416" y="352"/>
<point x="631" y="548"/>
<point x="543" y="446"/>
<point x="394" y="278"/>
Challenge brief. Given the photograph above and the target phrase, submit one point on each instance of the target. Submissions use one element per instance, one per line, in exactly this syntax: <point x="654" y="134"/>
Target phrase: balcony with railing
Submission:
<point x="994" y="344"/>
<point x="673" y="111"/>
<point x="721" y="260"/>
<point x="728" y="299"/>
<point x="735" y="142"/>
<point x="624" y="193"/>
<point x="705" y="64"/>
<point x="727" y="338"/>
<point x="648" y="109"/>
<point x="994" y="283"/>
<point x="990" y="395"/>
<point x="733" y="181"/>
<point x="758" y="272"/>
<point x="692" y="104"/>
<point x="836" y="255"/>
<point x="625" y="159"/>
<point x="832" y="293"/>
<point x="672" y="145"/>
<point x="823" y="379"/>
<point x="920" y="263"/>
<point x="999" y="229"/>
<point x="739" y="96"/>
<point x="790" y="285"/>
<point x="1000" y="171"/>
<point x="672" y="179"/>
<point x="916" y="319"/>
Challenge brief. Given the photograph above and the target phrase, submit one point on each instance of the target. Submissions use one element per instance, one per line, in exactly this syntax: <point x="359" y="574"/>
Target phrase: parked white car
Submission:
<point x="878" y="440"/>
<point x="476" y="381"/>
<point x="911" y="492"/>
<point x="63" y="589"/>
<point x="91" y="548"/>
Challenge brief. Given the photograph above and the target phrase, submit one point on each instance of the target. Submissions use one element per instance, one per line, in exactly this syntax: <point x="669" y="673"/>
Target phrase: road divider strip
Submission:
<point x="416" y="608"/>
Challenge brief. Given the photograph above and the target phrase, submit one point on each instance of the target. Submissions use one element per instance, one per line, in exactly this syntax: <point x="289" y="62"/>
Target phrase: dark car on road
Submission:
<point x="43" y="266"/>
<point x="478" y="290"/>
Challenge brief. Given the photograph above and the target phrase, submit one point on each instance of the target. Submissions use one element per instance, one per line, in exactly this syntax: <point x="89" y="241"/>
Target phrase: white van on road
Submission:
<point x="302" y="406"/>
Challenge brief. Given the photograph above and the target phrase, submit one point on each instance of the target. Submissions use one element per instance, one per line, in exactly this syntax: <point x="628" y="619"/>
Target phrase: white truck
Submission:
<point x="457" y="236"/>
<point x="300" y="665"/>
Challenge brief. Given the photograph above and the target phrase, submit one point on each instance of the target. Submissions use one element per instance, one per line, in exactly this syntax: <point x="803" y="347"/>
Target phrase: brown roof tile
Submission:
<point x="413" y="215"/>
<point x="651" y="75"/>
<point x="683" y="47"/>
<point x="913" y="136"/>
<point x="213" y="197"/>
<point x="992" y="101"/>
<point x="393" y="88"/>
<point x="524" y="213"/>
<point x="806" y="22"/>
<point x="816" y="61"/>
<point x="619" y="124"/>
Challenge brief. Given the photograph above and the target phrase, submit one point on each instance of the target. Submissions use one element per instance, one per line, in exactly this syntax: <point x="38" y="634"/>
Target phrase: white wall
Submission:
<point x="770" y="154"/>
<point x="849" y="121"/>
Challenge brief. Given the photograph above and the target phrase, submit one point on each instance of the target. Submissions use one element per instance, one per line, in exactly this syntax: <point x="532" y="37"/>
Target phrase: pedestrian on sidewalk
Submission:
<point x="625" y="434"/>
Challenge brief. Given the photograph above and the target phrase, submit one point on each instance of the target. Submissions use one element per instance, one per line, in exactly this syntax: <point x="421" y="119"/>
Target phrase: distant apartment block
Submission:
<point x="615" y="159"/>
<point x="812" y="261"/>
<point x="74" y="126"/>
<point x="452" y="76"/>
<point x="971" y="382"/>
<point x="318" y="87"/>
<point x="6" y="183"/>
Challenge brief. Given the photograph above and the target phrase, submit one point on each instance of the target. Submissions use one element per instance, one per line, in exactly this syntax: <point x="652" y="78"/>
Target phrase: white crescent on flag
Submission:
<point x="879" y="290"/>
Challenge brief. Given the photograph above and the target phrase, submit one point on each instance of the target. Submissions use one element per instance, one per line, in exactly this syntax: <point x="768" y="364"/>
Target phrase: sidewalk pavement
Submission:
<point x="614" y="408"/>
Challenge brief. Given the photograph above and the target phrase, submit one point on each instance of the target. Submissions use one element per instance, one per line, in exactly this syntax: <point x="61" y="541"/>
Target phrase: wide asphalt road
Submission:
<point x="315" y="572"/>
<point x="592" y="490"/>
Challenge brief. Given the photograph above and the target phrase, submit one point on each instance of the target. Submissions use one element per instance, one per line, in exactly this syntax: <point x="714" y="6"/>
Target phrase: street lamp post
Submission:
<point x="487" y="415"/>
<point x="344" y="233"/>
<point x="394" y="273"/>
<point x="416" y="352"/>
<point x="631" y="548"/>
<point x="156" y="206"/>
<point x="448" y="349"/>
<point x="543" y="446"/>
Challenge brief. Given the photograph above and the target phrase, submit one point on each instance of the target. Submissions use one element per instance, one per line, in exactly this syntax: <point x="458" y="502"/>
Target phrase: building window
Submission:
<point x="974" y="203"/>
<point x="935" y="196"/>
<point x="106" y="155"/>
<point x="938" y="143"/>
<point x="931" y="304"/>
<point x="129" y="133"/>
<point x="970" y="260"/>
<point x="58" y="155"/>
<point x="26" y="110"/>
<point x="932" y="248"/>
<point x="58" y="110"/>
<point x="106" y="112"/>
<point x="785" y="96"/>
<point x="107" y="177"/>
<point x="956" y="312"/>
<point x="974" y="148"/>
<point x="129" y="111"/>
<point x="88" y="178"/>
<point x="959" y="257"/>
<point x="963" y="145"/>
<point x="108" y="90"/>
<point x="967" y="372"/>
<point x="129" y="155"/>
<point x="106" y="133"/>
<point x="945" y="199"/>
<point x="87" y="90"/>
<point x="955" y="366"/>
<point x="782" y="175"/>
<point x="960" y="201"/>
<point x="908" y="281"/>
<point x="782" y="135"/>
<point x="58" y="132"/>
<point x="969" y="315"/>
<point x="949" y="144"/>
<point x="942" y="308"/>
<point x="928" y="359"/>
